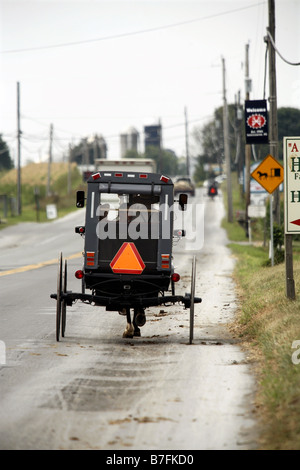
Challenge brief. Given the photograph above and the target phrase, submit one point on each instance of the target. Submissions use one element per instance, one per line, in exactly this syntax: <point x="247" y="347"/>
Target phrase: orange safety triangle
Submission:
<point x="127" y="260"/>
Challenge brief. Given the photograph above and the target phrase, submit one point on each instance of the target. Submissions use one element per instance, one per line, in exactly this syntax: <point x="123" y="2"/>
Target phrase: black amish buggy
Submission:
<point x="212" y="189"/>
<point x="128" y="240"/>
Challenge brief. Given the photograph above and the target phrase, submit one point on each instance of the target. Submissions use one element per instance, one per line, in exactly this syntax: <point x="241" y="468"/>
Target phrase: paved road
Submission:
<point x="96" y="390"/>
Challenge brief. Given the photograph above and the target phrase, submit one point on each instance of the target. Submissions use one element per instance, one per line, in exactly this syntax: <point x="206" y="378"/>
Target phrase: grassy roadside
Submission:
<point x="268" y="325"/>
<point x="34" y="178"/>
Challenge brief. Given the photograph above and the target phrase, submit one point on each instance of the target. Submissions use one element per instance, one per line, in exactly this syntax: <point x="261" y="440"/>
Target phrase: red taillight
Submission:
<point x="95" y="176"/>
<point x="165" y="261"/>
<point x="165" y="179"/>
<point x="144" y="175"/>
<point x="90" y="258"/>
<point x="79" y="274"/>
<point x="175" y="277"/>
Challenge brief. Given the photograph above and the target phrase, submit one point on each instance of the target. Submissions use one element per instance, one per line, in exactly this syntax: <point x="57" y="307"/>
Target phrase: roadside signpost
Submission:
<point x="269" y="174"/>
<point x="291" y="159"/>
<point x="291" y="151"/>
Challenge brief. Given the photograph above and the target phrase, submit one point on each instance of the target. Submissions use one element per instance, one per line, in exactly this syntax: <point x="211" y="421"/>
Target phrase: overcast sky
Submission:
<point x="103" y="66"/>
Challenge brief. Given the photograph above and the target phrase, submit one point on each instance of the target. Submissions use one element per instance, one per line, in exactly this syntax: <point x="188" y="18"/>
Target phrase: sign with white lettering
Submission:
<point x="256" y="121"/>
<point x="256" y="211"/>
<point x="291" y="158"/>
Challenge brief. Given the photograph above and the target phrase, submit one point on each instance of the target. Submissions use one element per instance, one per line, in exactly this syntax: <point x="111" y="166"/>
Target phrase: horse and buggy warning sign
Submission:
<point x="269" y="174"/>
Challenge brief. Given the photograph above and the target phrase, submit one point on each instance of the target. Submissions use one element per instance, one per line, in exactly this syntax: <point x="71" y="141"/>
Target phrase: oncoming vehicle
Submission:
<point x="128" y="238"/>
<point x="183" y="184"/>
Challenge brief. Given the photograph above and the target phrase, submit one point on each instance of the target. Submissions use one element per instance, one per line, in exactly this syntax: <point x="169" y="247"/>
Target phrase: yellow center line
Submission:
<point x="29" y="267"/>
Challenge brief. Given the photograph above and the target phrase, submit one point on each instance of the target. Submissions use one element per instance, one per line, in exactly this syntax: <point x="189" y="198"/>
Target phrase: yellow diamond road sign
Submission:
<point x="269" y="174"/>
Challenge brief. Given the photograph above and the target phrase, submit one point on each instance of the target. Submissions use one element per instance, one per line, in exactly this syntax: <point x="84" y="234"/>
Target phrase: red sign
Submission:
<point x="256" y="121"/>
<point x="127" y="260"/>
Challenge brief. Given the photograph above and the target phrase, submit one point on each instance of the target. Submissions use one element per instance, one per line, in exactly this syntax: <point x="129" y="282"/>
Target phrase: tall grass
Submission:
<point x="268" y="324"/>
<point x="34" y="179"/>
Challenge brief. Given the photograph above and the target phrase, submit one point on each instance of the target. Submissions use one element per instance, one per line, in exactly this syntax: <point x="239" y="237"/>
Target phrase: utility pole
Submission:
<point x="187" y="143"/>
<point x="248" y="146"/>
<point x="273" y="124"/>
<point x="273" y="146"/>
<point x="160" y="146"/>
<point x="19" y="199"/>
<point x="238" y="120"/>
<point x="50" y="160"/>
<point x="69" y="169"/>
<point x="226" y="148"/>
<point x="86" y="155"/>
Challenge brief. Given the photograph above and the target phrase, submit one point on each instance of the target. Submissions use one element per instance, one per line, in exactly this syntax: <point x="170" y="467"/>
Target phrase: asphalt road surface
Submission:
<point x="97" y="390"/>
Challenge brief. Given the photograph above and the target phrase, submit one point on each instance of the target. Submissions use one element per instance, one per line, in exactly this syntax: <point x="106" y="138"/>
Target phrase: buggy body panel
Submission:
<point x="128" y="238"/>
<point x="128" y="211"/>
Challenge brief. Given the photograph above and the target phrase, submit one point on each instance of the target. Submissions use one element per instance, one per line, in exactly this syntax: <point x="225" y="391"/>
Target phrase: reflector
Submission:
<point x="175" y="277"/>
<point x="165" y="179"/>
<point x="127" y="260"/>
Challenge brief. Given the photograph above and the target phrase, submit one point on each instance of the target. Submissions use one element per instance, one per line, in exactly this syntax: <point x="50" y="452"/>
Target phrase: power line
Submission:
<point x="274" y="46"/>
<point x="132" y="33"/>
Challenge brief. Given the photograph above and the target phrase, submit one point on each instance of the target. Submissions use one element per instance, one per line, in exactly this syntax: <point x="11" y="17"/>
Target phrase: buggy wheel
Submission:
<point x="58" y="298"/>
<point x="193" y="282"/>
<point x="64" y="302"/>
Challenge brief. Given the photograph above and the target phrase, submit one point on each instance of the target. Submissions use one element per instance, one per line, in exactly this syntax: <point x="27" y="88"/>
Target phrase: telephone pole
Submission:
<point x="187" y="143"/>
<point x="273" y="146"/>
<point x="273" y="123"/>
<point x="69" y="169"/>
<point x="19" y="198"/>
<point x="248" y="146"/>
<point x="226" y="148"/>
<point x="50" y="161"/>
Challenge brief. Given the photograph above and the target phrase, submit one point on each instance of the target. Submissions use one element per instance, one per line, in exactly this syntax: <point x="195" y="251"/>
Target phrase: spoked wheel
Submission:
<point x="64" y="302"/>
<point x="58" y="298"/>
<point x="193" y="283"/>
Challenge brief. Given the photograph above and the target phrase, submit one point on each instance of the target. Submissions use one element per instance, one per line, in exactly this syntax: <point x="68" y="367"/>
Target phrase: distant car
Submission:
<point x="184" y="184"/>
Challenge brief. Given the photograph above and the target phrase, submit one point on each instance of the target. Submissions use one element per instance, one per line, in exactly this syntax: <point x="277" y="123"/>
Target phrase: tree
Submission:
<point x="6" y="162"/>
<point x="133" y="154"/>
<point x="288" y="126"/>
<point x="209" y="138"/>
<point x="88" y="150"/>
<point x="166" y="160"/>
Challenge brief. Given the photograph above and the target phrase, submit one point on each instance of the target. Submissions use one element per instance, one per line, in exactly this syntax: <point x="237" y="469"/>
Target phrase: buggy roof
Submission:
<point x="129" y="177"/>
